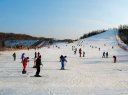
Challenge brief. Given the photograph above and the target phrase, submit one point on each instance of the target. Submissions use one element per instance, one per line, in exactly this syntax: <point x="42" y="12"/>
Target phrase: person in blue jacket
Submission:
<point x="62" y="60"/>
<point x="22" y="57"/>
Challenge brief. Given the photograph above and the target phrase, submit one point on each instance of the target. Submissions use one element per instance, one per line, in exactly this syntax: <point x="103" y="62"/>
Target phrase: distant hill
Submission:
<point x="13" y="36"/>
<point x="5" y="37"/>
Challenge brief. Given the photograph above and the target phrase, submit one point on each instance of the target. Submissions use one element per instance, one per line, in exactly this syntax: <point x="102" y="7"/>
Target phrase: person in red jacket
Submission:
<point x="25" y="64"/>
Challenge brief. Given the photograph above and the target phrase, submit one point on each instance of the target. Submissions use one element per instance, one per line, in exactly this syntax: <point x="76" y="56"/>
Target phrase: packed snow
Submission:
<point x="89" y="75"/>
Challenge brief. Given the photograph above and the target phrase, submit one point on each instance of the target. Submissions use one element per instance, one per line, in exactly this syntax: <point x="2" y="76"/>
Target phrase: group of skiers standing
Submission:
<point x="105" y="55"/>
<point x="80" y="51"/>
<point x="37" y="63"/>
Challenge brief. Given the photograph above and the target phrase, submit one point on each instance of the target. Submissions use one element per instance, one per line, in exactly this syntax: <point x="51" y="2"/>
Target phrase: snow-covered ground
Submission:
<point x="91" y="75"/>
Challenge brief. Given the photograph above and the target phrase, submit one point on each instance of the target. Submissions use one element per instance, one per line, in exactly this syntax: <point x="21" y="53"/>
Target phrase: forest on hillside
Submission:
<point x="92" y="34"/>
<point x="123" y="33"/>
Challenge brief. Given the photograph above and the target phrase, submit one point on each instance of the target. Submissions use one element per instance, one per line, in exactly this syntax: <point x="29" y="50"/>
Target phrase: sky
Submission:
<point x="61" y="19"/>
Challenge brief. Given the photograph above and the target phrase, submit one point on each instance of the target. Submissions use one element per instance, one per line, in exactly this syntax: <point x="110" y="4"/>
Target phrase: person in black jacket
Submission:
<point x="38" y="63"/>
<point x="114" y="58"/>
<point x="14" y="56"/>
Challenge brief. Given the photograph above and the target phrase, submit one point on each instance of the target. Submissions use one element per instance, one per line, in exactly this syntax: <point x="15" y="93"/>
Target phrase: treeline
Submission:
<point x="123" y="33"/>
<point x="65" y="40"/>
<point x="13" y="36"/>
<point x="92" y="34"/>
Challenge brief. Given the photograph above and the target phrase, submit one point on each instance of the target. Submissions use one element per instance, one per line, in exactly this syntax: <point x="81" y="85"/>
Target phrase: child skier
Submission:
<point x="25" y="64"/>
<point x="62" y="60"/>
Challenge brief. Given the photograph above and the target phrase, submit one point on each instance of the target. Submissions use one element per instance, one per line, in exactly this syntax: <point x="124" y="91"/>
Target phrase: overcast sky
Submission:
<point x="61" y="18"/>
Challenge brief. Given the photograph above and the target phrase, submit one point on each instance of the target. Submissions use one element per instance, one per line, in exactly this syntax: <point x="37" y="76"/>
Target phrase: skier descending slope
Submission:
<point x="62" y="60"/>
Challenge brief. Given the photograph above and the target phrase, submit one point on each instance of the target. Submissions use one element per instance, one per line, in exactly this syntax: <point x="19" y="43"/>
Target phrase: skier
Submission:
<point x="114" y="58"/>
<point x="83" y="53"/>
<point x="22" y="57"/>
<point x="106" y="54"/>
<point x="14" y="56"/>
<point x="99" y="49"/>
<point x="25" y="64"/>
<point x="38" y="63"/>
<point x="75" y="50"/>
<point x="103" y="55"/>
<point x="80" y="52"/>
<point x="62" y="60"/>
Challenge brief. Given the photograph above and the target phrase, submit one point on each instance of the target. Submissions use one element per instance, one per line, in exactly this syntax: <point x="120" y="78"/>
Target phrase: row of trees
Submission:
<point x="92" y="34"/>
<point x="123" y="33"/>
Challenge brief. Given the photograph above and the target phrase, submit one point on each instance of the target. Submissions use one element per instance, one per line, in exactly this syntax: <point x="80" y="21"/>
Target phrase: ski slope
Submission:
<point x="91" y="75"/>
